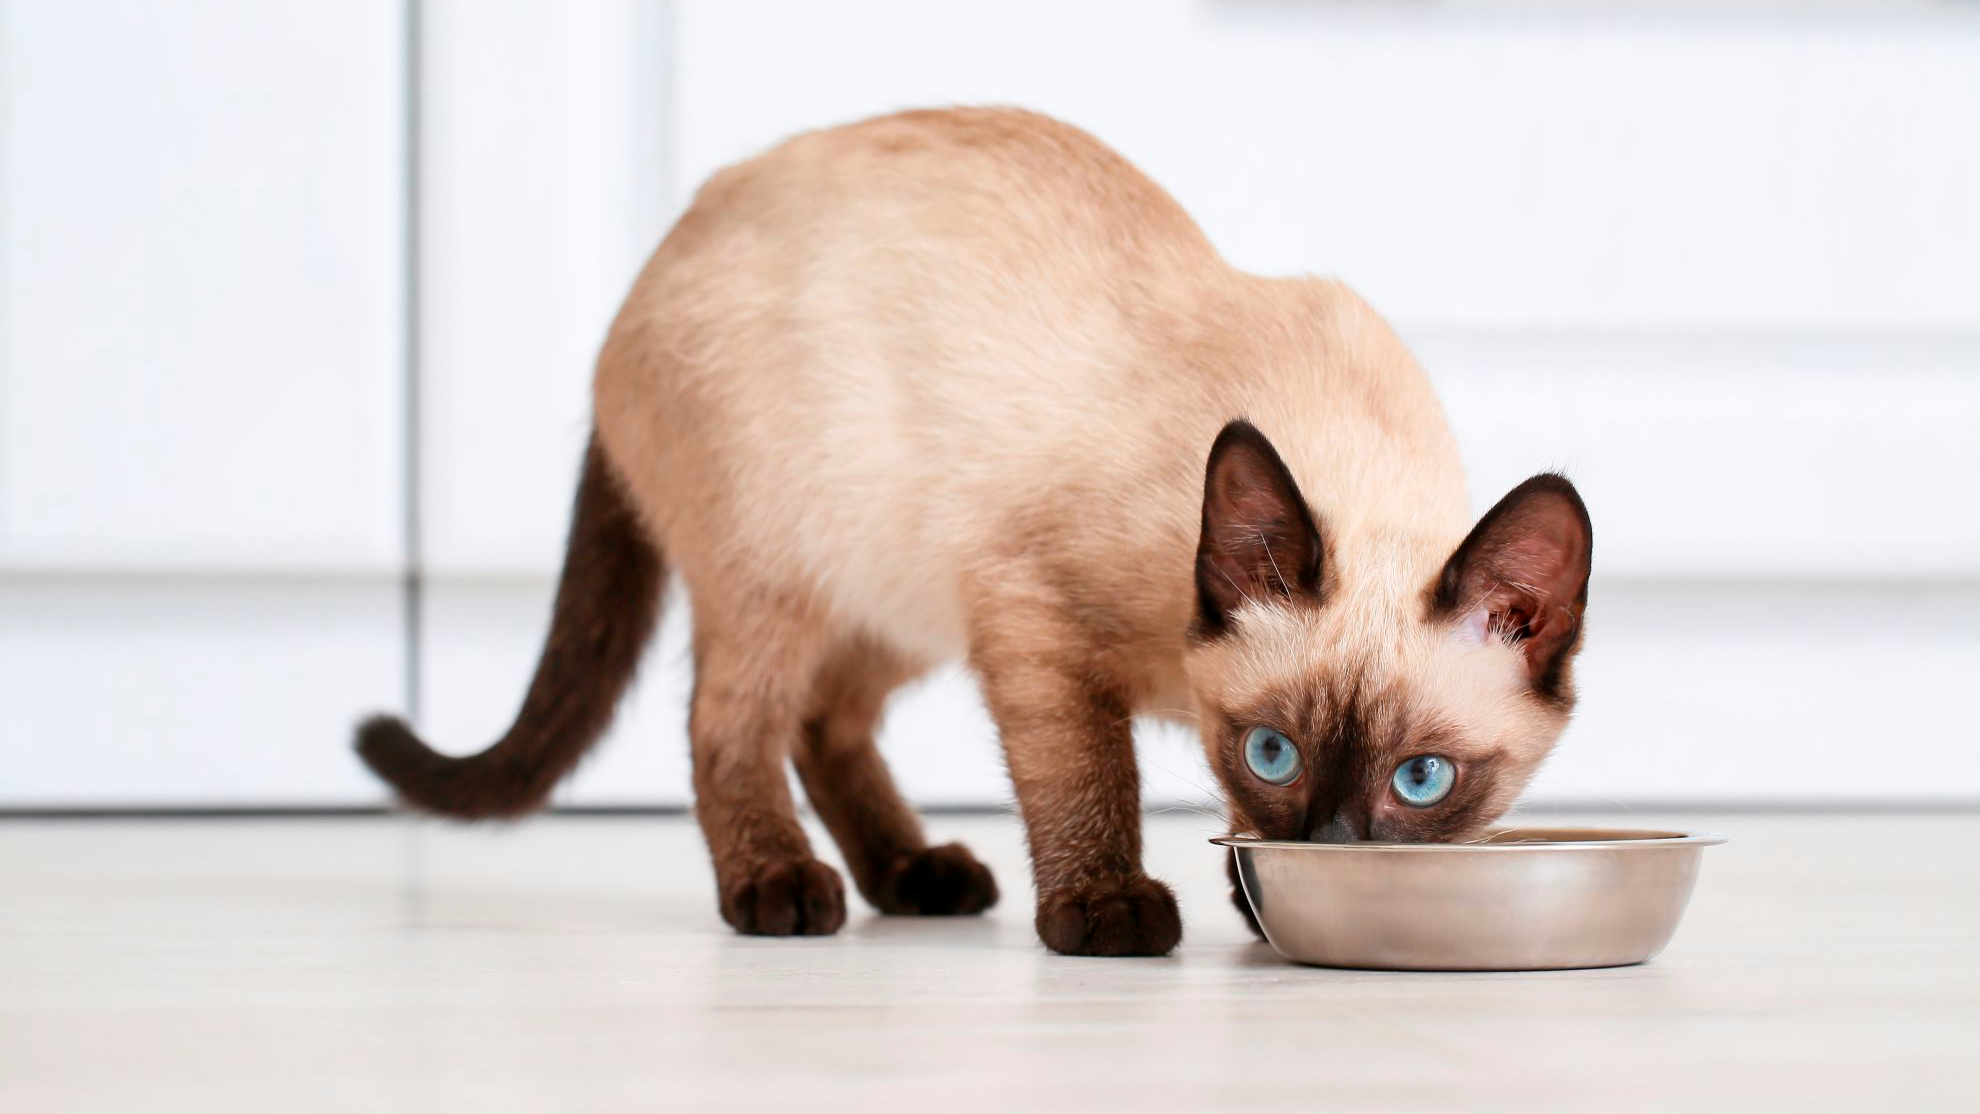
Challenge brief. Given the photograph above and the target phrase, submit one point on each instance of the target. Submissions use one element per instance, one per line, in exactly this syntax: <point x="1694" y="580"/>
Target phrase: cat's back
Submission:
<point x="999" y="182"/>
<point x="850" y="333"/>
<point x="923" y="217"/>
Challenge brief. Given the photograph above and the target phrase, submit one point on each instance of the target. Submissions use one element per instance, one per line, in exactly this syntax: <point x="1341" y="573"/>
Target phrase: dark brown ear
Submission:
<point x="1523" y="573"/>
<point x="1259" y="539"/>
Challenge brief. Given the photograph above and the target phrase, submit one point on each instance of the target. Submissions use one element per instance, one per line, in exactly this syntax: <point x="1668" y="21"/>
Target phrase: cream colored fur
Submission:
<point x="945" y="382"/>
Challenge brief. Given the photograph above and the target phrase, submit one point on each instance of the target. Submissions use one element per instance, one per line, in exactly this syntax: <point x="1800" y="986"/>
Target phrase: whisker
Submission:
<point x="1185" y="806"/>
<point x="1213" y="793"/>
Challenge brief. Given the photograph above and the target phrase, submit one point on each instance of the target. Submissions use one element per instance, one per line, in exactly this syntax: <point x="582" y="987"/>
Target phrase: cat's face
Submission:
<point x="1369" y="689"/>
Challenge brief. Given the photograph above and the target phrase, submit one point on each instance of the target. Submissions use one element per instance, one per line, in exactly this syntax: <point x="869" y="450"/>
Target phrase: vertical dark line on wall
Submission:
<point x="6" y="318"/>
<point x="414" y="582"/>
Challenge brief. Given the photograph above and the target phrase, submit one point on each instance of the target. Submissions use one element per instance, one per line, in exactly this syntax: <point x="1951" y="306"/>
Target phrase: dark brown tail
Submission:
<point x="607" y="602"/>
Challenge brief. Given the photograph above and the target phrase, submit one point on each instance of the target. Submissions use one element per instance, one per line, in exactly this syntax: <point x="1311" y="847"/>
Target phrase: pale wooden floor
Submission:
<point x="577" y="964"/>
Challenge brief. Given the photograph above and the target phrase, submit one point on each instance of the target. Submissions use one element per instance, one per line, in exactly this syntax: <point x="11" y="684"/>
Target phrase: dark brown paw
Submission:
<point x="1237" y="894"/>
<point x="943" y="881"/>
<point x="786" y="899"/>
<point x="1132" y="916"/>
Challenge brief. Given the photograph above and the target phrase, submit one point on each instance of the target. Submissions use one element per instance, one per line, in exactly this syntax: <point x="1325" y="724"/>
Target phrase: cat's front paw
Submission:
<point x="802" y="898"/>
<point x="1135" y="915"/>
<point x="940" y="881"/>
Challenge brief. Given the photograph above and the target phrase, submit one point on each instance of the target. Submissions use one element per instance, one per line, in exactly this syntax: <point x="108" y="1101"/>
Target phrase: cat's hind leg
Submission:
<point x="755" y="658"/>
<point x="849" y="786"/>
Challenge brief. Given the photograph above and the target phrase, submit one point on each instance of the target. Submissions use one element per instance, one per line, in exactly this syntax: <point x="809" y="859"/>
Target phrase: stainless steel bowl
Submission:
<point x="1523" y="899"/>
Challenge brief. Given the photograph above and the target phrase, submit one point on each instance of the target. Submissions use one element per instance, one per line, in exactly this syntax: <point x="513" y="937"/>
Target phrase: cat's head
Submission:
<point x="1370" y="687"/>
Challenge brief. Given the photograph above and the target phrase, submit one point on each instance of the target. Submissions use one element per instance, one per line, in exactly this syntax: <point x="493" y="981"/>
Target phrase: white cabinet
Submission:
<point x="201" y="397"/>
<point x="1722" y="266"/>
<point x="201" y="285"/>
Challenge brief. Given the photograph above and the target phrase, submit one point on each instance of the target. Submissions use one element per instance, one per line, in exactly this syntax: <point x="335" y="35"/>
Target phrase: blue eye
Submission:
<point x="1424" y="780"/>
<point x="1271" y="755"/>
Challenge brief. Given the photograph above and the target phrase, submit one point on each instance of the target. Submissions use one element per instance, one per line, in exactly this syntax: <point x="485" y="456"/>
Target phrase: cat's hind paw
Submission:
<point x="943" y="881"/>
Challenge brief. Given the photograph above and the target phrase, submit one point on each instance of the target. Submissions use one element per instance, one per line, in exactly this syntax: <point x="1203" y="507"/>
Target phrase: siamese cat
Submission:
<point x="967" y="384"/>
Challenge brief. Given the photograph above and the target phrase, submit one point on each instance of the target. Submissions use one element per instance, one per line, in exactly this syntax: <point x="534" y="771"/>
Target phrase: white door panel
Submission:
<point x="192" y="693"/>
<point x="1744" y="694"/>
<point x="200" y="289"/>
<point x="543" y="177"/>
<point x="1533" y="165"/>
<point x="1746" y="458"/>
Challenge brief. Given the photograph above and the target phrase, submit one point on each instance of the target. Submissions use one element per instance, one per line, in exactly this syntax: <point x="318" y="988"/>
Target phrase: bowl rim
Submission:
<point x="1640" y="839"/>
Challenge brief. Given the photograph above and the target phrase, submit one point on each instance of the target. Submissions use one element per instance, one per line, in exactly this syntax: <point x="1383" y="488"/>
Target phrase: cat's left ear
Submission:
<point x="1259" y="540"/>
<point x="1522" y="574"/>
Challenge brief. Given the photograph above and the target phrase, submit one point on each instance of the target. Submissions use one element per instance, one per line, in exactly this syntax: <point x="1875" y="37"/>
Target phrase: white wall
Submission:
<point x="1724" y="267"/>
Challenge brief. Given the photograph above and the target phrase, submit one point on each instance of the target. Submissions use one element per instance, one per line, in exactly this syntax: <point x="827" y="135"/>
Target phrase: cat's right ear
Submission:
<point x="1259" y="539"/>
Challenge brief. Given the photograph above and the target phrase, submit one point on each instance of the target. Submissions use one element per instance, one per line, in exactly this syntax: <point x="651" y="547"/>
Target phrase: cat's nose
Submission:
<point x="1341" y="829"/>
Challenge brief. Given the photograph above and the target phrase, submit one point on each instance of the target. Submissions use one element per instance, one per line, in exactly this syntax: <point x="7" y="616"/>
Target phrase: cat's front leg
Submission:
<point x="1068" y="742"/>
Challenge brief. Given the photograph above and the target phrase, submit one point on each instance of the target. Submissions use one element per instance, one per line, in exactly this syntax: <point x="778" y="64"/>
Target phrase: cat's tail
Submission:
<point x="608" y="600"/>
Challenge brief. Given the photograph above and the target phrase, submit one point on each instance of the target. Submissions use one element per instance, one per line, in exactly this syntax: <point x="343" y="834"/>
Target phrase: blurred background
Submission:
<point x="298" y="302"/>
